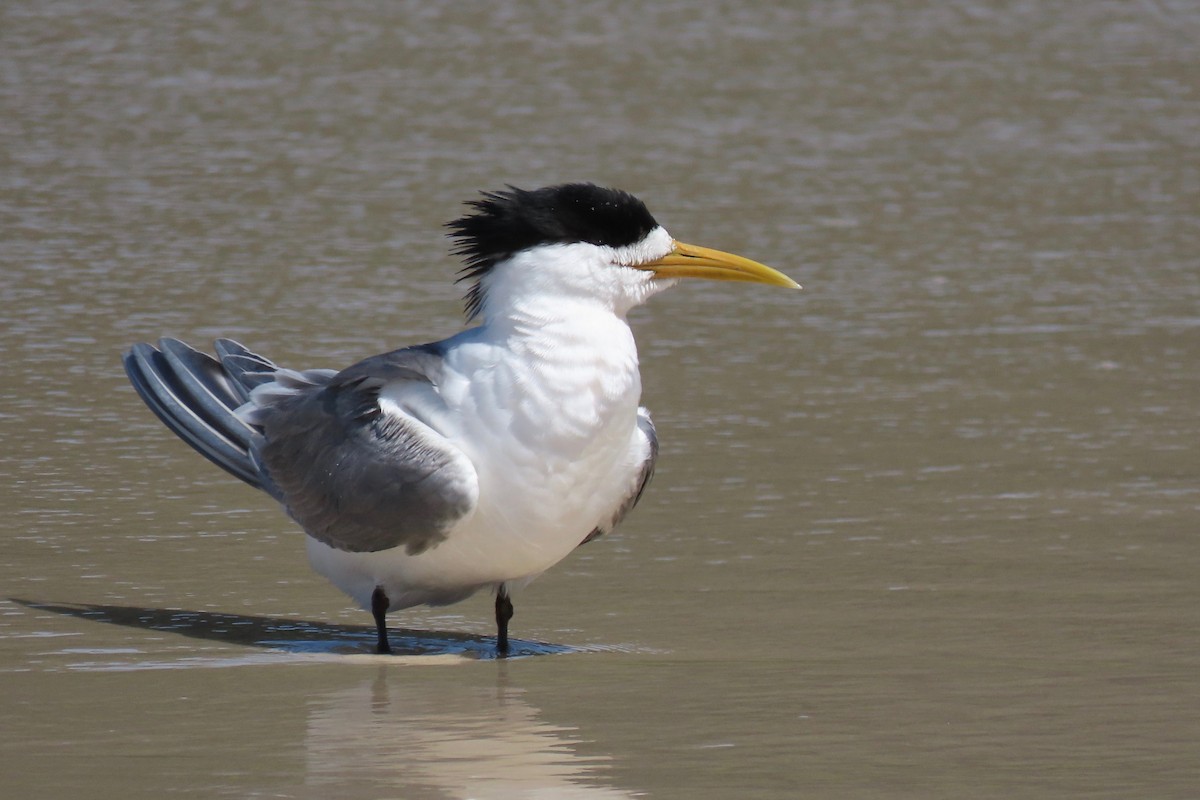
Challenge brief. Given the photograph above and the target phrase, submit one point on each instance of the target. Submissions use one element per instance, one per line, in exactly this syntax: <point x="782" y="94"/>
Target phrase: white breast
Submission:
<point x="548" y="416"/>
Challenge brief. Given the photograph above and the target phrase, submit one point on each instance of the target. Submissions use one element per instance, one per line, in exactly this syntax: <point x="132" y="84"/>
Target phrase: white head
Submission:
<point x="580" y="242"/>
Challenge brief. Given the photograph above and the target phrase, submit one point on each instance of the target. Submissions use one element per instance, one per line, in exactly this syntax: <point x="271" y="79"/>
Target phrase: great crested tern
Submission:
<point x="478" y="462"/>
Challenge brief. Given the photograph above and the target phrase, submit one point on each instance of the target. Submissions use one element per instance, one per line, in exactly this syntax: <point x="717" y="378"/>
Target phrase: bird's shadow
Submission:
<point x="293" y="635"/>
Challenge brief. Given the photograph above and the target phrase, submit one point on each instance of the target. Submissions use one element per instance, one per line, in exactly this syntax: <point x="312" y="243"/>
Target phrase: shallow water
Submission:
<point x="927" y="529"/>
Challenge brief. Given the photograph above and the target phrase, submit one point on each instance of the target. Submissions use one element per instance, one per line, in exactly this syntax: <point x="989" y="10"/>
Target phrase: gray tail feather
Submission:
<point x="196" y="395"/>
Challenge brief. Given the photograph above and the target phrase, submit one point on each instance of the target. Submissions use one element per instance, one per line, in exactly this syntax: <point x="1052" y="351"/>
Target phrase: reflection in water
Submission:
<point x="413" y="732"/>
<point x="461" y="741"/>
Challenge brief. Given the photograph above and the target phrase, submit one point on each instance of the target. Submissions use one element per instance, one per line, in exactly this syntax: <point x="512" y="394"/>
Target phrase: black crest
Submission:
<point x="505" y="223"/>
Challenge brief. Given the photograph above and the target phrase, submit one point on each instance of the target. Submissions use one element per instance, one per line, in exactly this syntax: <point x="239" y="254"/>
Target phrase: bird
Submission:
<point x="426" y="474"/>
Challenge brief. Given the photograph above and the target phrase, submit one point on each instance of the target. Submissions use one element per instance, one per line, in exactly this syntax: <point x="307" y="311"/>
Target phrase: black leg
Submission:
<point x="504" y="612"/>
<point x="379" y="609"/>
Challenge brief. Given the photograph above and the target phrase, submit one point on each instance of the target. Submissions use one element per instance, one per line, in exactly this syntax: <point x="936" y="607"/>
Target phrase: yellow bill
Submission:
<point x="692" y="261"/>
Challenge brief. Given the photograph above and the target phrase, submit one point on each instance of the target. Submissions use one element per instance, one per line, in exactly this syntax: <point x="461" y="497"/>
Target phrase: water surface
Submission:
<point x="928" y="529"/>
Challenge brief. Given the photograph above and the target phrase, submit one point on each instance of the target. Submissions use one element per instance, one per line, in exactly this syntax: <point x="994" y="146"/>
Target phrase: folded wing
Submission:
<point x="355" y="475"/>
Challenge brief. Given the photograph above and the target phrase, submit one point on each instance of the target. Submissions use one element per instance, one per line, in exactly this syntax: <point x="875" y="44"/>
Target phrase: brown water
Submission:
<point x="929" y="529"/>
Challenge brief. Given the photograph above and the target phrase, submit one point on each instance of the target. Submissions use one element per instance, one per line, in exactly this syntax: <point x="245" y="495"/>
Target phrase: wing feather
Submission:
<point x="649" y="439"/>
<point x="356" y="477"/>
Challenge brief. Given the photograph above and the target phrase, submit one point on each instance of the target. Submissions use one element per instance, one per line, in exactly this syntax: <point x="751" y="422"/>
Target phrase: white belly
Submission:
<point x="556" y="449"/>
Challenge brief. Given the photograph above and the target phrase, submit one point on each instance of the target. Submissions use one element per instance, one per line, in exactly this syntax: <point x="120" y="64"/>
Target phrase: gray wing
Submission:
<point x="197" y="397"/>
<point x="646" y="429"/>
<point x="354" y="476"/>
